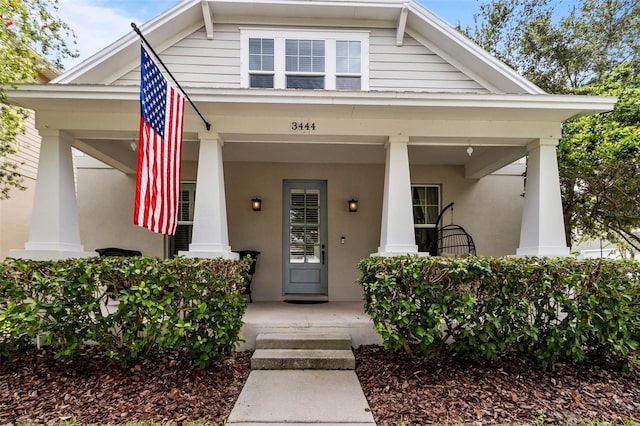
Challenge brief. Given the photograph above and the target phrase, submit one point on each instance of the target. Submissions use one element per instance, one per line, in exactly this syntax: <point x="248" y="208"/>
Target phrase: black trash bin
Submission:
<point x="252" y="269"/>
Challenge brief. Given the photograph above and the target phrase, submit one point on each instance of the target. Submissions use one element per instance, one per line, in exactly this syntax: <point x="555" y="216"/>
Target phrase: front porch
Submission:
<point x="369" y="145"/>
<point x="281" y="317"/>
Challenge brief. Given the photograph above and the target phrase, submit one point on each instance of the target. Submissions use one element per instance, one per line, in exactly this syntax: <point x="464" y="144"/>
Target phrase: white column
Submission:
<point x="542" y="229"/>
<point x="55" y="232"/>
<point x="210" y="237"/>
<point x="397" y="235"/>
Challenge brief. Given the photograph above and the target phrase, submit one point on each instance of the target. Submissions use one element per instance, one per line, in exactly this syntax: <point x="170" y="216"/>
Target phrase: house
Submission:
<point x="314" y="105"/>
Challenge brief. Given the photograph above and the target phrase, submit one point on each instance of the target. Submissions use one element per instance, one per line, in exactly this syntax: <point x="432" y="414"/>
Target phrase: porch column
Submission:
<point x="542" y="229"/>
<point x="55" y="232"/>
<point x="210" y="237"/>
<point x="397" y="236"/>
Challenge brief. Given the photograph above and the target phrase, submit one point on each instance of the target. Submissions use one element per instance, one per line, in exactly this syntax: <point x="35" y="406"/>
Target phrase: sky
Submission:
<point x="98" y="23"/>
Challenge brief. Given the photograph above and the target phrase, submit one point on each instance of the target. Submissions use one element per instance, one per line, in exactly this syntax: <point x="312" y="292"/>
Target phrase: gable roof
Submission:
<point x="188" y="16"/>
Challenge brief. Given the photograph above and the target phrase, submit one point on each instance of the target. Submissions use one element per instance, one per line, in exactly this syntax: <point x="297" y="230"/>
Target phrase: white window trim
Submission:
<point x="279" y="35"/>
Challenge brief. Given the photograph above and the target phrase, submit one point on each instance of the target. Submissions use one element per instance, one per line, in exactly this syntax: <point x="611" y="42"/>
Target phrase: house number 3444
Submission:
<point x="299" y="125"/>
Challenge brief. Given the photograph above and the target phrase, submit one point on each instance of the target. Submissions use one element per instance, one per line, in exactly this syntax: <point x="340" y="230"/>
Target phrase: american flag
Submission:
<point x="159" y="151"/>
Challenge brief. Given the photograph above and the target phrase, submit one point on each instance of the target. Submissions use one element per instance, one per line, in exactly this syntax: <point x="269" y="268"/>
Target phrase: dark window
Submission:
<point x="305" y="82"/>
<point x="426" y="207"/>
<point x="261" y="81"/>
<point x="181" y="240"/>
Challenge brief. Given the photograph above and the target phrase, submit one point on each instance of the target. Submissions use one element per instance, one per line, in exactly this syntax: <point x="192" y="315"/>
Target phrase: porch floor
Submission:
<point x="280" y="317"/>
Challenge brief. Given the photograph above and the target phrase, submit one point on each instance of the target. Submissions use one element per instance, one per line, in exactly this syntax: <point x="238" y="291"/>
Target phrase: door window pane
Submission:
<point x="304" y="229"/>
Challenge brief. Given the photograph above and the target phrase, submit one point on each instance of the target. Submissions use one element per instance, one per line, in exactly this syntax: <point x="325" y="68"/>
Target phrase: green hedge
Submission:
<point x="554" y="310"/>
<point x="129" y="307"/>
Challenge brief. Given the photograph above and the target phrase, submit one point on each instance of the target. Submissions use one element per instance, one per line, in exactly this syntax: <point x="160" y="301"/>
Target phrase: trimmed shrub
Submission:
<point x="554" y="310"/>
<point x="128" y="306"/>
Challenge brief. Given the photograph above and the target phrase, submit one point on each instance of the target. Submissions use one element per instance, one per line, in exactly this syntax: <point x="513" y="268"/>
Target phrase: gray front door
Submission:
<point x="304" y="239"/>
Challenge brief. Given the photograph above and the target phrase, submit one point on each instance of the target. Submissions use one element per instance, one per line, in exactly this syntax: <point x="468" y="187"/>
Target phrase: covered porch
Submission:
<point x="371" y="145"/>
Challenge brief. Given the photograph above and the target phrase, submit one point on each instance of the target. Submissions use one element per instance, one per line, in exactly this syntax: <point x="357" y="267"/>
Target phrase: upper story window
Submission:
<point x="261" y="62"/>
<point x="296" y="59"/>
<point x="348" y="64"/>
<point x="304" y="61"/>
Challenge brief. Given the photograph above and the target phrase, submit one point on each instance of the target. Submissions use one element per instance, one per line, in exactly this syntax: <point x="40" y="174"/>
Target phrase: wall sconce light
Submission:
<point x="256" y="204"/>
<point x="469" y="150"/>
<point x="353" y="205"/>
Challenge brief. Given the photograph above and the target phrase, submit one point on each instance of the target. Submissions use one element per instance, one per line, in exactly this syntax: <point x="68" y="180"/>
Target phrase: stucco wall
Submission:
<point x="490" y="209"/>
<point x="15" y="218"/>
<point x="262" y="230"/>
<point x="105" y="209"/>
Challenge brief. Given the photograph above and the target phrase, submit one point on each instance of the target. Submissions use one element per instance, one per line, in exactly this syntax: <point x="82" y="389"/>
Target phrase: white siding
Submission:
<point x="15" y="212"/>
<point x="29" y="150"/>
<point x="412" y="67"/>
<point x="197" y="61"/>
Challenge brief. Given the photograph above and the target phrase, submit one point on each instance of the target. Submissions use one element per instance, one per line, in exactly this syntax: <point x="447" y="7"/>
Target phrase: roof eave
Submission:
<point x="31" y="95"/>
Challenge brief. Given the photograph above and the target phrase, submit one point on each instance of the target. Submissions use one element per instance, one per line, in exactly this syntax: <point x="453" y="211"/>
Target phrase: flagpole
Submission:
<point x="137" y="30"/>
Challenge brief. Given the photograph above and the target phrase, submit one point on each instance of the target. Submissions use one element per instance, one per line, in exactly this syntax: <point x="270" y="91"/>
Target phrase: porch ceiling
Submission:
<point x="484" y="160"/>
<point x="431" y="155"/>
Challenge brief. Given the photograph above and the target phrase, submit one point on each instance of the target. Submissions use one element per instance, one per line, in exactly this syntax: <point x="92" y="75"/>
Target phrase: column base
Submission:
<point x="50" y="254"/>
<point x="210" y="254"/>
<point x="542" y="251"/>
<point x="400" y="253"/>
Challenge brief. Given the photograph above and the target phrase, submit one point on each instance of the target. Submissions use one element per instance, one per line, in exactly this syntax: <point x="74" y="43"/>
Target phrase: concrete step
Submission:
<point x="303" y="341"/>
<point x="303" y="359"/>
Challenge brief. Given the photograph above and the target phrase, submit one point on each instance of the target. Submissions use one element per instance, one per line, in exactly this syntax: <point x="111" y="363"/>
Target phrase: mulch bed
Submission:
<point x="514" y="391"/>
<point x="34" y="388"/>
<point x="37" y="389"/>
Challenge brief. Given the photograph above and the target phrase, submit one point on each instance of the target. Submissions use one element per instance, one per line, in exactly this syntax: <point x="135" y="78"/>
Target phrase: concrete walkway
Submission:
<point x="297" y="397"/>
<point x="303" y="367"/>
